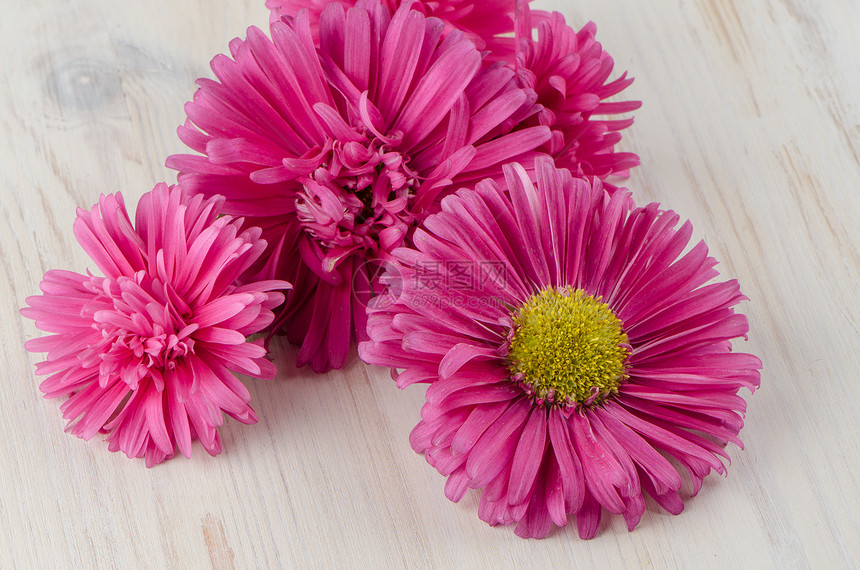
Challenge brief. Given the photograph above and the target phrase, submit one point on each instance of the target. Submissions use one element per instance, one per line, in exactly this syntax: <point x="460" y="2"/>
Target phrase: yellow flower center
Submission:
<point x="568" y="347"/>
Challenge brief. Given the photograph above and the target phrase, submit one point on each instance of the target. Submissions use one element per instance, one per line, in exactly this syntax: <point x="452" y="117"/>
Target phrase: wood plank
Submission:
<point x="750" y="127"/>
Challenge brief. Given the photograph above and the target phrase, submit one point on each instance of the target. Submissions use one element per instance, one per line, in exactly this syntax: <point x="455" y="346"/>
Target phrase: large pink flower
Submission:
<point x="147" y="352"/>
<point x="570" y="347"/>
<point x="337" y="152"/>
<point x="569" y="71"/>
<point x="484" y="21"/>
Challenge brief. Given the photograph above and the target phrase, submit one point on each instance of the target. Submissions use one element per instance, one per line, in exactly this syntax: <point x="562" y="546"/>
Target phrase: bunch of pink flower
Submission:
<point x="427" y="178"/>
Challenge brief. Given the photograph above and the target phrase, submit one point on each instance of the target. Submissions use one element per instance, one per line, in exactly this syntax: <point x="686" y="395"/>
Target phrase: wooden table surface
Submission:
<point x="749" y="127"/>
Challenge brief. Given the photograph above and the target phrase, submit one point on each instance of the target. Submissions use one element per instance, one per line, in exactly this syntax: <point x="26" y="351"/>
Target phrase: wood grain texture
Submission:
<point x="750" y="127"/>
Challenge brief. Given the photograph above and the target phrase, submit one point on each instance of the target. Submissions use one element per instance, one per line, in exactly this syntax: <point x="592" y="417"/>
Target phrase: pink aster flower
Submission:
<point x="337" y="152"/>
<point x="577" y="360"/>
<point x="569" y="71"/>
<point x="147" y="353"/>
<point x="484" y="21"/>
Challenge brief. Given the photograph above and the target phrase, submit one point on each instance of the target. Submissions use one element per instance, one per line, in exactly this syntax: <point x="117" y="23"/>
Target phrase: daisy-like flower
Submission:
<point x="147" y="353"/>
<point x="337" y="152"/>
<point x="576" y="359"/>
<point x="569" y="71"/>
<point x="484" y="21"/>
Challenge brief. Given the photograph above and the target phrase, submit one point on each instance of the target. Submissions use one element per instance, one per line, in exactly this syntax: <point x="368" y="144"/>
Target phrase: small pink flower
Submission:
<point x="571" y="348"/>
<point x="569" y="71"/>
<point x="337" y="152"/>
<point x="147" y="353"/>
<point x="483" y="21"/>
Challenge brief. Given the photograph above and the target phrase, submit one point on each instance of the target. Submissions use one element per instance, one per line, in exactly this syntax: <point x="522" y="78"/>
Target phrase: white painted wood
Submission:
<point x="750" y="127"/>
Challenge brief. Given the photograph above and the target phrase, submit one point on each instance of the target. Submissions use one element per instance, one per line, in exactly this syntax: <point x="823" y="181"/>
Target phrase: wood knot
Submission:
<point x="83" y="84"/>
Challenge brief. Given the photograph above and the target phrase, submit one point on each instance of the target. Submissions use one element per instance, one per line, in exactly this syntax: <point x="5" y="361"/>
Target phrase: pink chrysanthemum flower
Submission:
<point x="337" y="152"/>
<point x="569" y="71"/>
<point x="147" y="353"/>
<point x="577" y="360"/>
<point x="484" y="21"/>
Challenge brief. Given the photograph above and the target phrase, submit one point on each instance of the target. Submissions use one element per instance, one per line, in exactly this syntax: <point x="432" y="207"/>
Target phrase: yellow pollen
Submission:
<point x="568" y="347"/>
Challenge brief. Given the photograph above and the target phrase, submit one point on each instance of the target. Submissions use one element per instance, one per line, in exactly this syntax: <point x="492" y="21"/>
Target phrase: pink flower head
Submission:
<point x="483" y="21"/>
<point x="569" y="71"/>
<point x="337" y="152"/>
<point x="147" y="353"/>
<point x="572" y="351"/>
